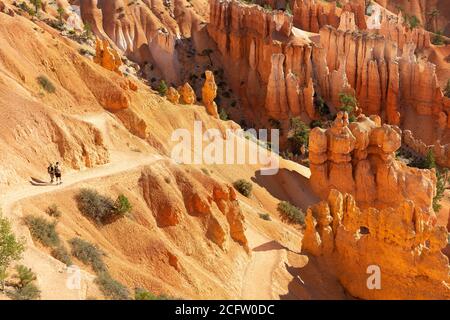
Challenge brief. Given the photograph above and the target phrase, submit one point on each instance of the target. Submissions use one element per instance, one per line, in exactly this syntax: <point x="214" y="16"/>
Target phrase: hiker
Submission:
<point x="58" y="173"/>
<point x="51" y="172"/>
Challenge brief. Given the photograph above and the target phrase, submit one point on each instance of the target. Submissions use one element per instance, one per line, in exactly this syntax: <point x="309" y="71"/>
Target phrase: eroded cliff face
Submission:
<point x="267" y="63"/>
<point x="146" y="32"/>
<point x="386" y="80"/>
<point x="398" y="242"/>
<point x="172" y="196"/>
<point x="359" y="159"/>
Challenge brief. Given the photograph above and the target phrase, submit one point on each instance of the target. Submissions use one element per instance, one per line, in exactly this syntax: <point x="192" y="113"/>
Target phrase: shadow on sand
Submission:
<point x="288" y="185"/>
<point x="39" y="183"/>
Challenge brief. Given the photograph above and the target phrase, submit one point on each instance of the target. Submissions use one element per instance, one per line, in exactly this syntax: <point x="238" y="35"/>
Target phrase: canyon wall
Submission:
<point x="386" y="80"/>
<point x="311" y="15"/>
<point x="266" y="62"/>
<point x="359" y="159"/>
<point x="145" y="32"/>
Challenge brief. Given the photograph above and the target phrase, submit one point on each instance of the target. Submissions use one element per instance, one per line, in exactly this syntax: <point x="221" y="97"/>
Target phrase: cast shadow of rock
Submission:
<point x="288" y="185"/>
<point x="271" y="245"/>
<point x="313" y="281"/>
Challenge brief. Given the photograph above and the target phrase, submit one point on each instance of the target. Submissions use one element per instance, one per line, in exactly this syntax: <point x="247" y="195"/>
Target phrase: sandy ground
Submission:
<point x="267" y="253"/>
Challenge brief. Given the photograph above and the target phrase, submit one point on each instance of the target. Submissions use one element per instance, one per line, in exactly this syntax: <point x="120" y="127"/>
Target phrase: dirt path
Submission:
<point x="266" y="256"/>
<point x="52" y="274"/>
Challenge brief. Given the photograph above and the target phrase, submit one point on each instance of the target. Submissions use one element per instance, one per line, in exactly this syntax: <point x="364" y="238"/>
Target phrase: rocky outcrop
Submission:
<point x="173" y="194"/>
<point x="209" y="93"/>
<point x="107" y="57"/>
<point x="358" y="158"/>
<point x="266" y="62"/>
<point x="173" y="95"/>
<point x="398" y="242"/>
<point x="187" y="94"/>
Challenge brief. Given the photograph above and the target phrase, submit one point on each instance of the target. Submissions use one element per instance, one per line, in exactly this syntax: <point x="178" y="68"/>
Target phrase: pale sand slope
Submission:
<point x="268" y="259"/>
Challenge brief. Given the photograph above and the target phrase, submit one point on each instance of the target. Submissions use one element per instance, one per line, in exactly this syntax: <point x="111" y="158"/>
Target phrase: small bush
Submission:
<point x="53" y="211"/>
<point x="95" y="205"/>
<point x="223" y="115"/>
<point x="43" y="231"/>
<point x="299" y="135"/>
<point x="290" y="213"/>
<point x="10" y="247"/>
<point x="60" y="253"/>
<point x="244" y="187"/>
<point x="112" y="288"/>
<point x="25" y="289"/>
<point x="162" y="88"/>
<point x="122" y="205"/>
<point x="88" y="254"/>
<point x="142" y="294"/>
<point x="46" y="84"/>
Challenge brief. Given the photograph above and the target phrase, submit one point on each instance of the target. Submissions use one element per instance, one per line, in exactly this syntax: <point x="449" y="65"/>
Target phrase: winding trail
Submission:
<point x="266" y="257"/>
<point x="52" y="274"/>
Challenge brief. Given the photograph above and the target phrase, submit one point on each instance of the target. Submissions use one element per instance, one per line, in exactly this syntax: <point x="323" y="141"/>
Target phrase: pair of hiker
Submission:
<point x="54" y="170"/>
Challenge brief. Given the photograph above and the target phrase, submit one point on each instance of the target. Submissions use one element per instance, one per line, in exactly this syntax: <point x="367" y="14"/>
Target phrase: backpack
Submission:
<point x="50" y="169"/>
<point x="57" y="170"/>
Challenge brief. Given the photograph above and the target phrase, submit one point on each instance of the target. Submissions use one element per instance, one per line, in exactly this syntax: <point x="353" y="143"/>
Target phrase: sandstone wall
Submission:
<point x="398" y="240"/>
<point x="387" y="81"/>
<point x="359" y="159"/>
<point x="311" y="15"/>
<point x="266" y="63"/>
<point x="145" y="32"/>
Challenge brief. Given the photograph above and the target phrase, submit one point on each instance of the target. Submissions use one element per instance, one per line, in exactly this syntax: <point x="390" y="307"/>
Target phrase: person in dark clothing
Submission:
<point x="58" y="173"/>
<point x="51" y="172"/>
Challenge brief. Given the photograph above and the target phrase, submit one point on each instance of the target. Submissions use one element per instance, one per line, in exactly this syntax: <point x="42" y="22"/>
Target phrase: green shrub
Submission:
<point x="88" y="254"/>
<point x="10" y="247"/>
<point x="142" y="294"/>
<point x="290" y="213"/>
<point x="299" y="135"/>
<point x="60" y="253"/>
<point x="321" y="107"/>
<point x="438" y="39"/>
<point x="46" y="84"/>
<point x="244" y="187"/>
<point x="316" y="123"/>
<point x="112" y="288"/>
<point x="122" y="205"/>
<point x="95" y="205"/>
<point x="43" y="231"/>
<point x="162" y="88"/>
<point x="25" y="288"/>
<point x="223" y="115"/>
<point x="53" y="211"/>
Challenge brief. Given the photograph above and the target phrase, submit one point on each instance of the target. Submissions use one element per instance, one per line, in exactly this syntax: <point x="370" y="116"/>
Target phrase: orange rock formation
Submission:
<point x="107" y="57"/>
<point x="187" y="94"/>
<point x="209" y="93"/>
<point x="398" y="240"/>
<point x="358" y="159"/>
<point x="266" y="62"/>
